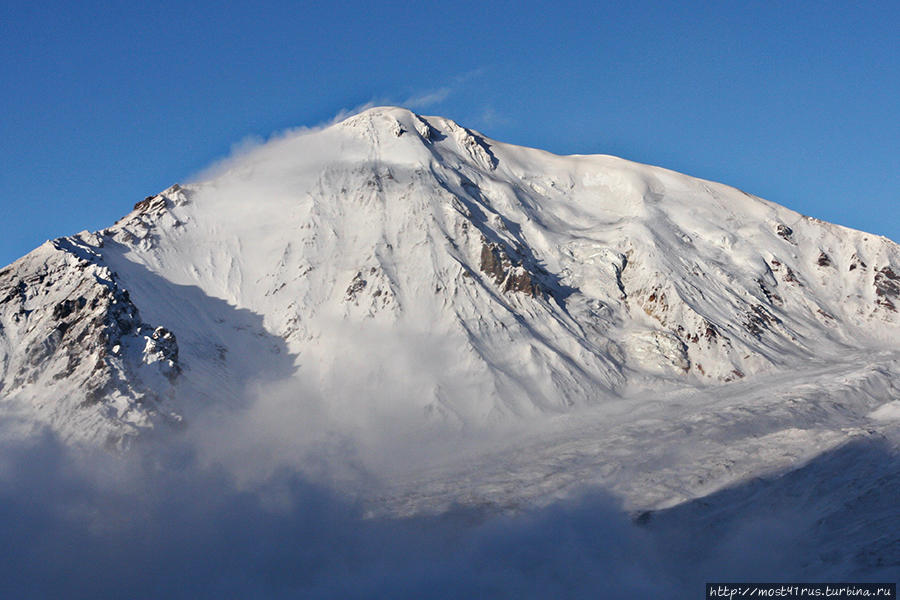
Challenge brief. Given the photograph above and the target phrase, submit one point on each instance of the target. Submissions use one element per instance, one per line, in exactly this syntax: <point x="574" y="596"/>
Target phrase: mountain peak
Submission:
<point x="548" y="281"/>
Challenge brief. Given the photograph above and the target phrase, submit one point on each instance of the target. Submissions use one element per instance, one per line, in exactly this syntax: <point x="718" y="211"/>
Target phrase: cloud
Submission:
<point x="164" y="520"/>
<point x="438" y="95"/>
<point x="491" y="118"/>
<point x="427" y="99"/>
<point x="275" y="500"/>
<point x="172" y="529"/>
<point x="417" y="101"/>
<point x="346" y="113"/>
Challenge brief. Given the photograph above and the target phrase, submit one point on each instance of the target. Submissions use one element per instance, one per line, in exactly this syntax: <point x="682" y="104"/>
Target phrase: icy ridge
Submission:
<point x="74" y="350"/>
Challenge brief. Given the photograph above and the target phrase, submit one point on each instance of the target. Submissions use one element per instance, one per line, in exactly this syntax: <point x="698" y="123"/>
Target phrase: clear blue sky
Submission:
<point x="103" y="103"/>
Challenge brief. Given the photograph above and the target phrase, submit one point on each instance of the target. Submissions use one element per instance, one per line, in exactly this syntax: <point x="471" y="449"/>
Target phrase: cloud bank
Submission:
<point x="163" y="520"/>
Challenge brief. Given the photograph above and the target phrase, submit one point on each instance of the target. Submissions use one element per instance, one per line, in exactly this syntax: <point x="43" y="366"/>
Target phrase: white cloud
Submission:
<point x="427" y="99"/>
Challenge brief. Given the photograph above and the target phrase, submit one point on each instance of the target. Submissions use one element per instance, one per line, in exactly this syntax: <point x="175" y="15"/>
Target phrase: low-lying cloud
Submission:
<point x="163" y="521"/>
<point x="275" y="499"/>
<point x="94" y="525"/>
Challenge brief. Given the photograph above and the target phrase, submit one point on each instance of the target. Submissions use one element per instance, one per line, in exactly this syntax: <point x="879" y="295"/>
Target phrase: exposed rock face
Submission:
<point x="356" y="286"/>
<point x="139" y="228"/>
<point x="546" y="281"/>
<point x="509" y="274"/>
<point x="71" y="332"/>
<point x="162" y="348"/>
<point x="785" y="232"/>
<point x="887" y="288"/>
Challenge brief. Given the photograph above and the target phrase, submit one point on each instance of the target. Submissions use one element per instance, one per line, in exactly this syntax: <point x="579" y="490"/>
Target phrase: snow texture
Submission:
<point x="588" y="319"/>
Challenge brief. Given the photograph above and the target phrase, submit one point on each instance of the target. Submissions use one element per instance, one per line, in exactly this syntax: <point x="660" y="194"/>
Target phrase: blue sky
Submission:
<point x="104" y="103"/>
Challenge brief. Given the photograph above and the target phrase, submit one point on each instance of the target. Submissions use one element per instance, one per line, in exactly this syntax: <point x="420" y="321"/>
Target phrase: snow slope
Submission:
<point x="589" y="319"/>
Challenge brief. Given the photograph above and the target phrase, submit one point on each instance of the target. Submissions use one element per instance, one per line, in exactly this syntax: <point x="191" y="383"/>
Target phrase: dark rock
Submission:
<point x="887" y="287"/>
<point x="356" y="286"/>
<point x="770" y="295"/>
<point x="94" y="396"/>
<point x="14" y="292"/>
<point x="151" y="204"/>
<point x="759" y="319"/>
<point x="510" y="275"/>
<point x="790" y="276"/>
<point x="95" y="317"/>
<point x="67" y="307"/>
<point x="826" y="315"/>
<point x="164" y="342"/>
<point x="785" y="232"/>
<point x="144" y="204"/>
<point x="521" y="281"/>
<point x="71" y="364"/>
<point x="492" y="262"/>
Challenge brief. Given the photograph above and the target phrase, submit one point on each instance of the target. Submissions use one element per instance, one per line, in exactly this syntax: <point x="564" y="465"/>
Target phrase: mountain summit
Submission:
<point x="406" y="263"/>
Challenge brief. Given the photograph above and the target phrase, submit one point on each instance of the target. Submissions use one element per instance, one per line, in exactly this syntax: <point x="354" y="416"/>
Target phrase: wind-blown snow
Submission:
<point x="468" y="321"/>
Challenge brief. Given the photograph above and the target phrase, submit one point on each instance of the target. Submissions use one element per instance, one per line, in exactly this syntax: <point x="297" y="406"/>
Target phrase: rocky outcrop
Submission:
<point x="553" y="281"/>
<point x="785" y="232"/>
<point x="69" y="331"/>
<point x="508" y="273"/>
<point x="138" y="228"/>
<point x="887" y="288"/>
<point x="370" y="292"/>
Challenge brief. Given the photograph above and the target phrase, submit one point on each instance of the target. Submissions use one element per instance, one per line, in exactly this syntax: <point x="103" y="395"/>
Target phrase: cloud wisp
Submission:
<point x="417" y="100"/>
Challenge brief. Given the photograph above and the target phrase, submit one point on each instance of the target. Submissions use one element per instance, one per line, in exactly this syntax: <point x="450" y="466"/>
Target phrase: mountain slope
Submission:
<point x="455" y="277"/>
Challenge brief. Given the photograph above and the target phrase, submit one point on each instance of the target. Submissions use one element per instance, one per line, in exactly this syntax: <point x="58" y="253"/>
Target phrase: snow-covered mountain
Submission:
<point x="674" y="335"/>
<point x="538" y="282"/>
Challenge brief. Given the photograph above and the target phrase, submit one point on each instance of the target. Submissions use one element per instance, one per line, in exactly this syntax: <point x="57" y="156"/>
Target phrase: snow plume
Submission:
<point x="314" y="423"/>
<point x="249" y="147"/>
<point x="372" y="470"/>
<point x="255" y="147"/>
<point x="417" y="100"/>
<point x="277" y="498"/>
